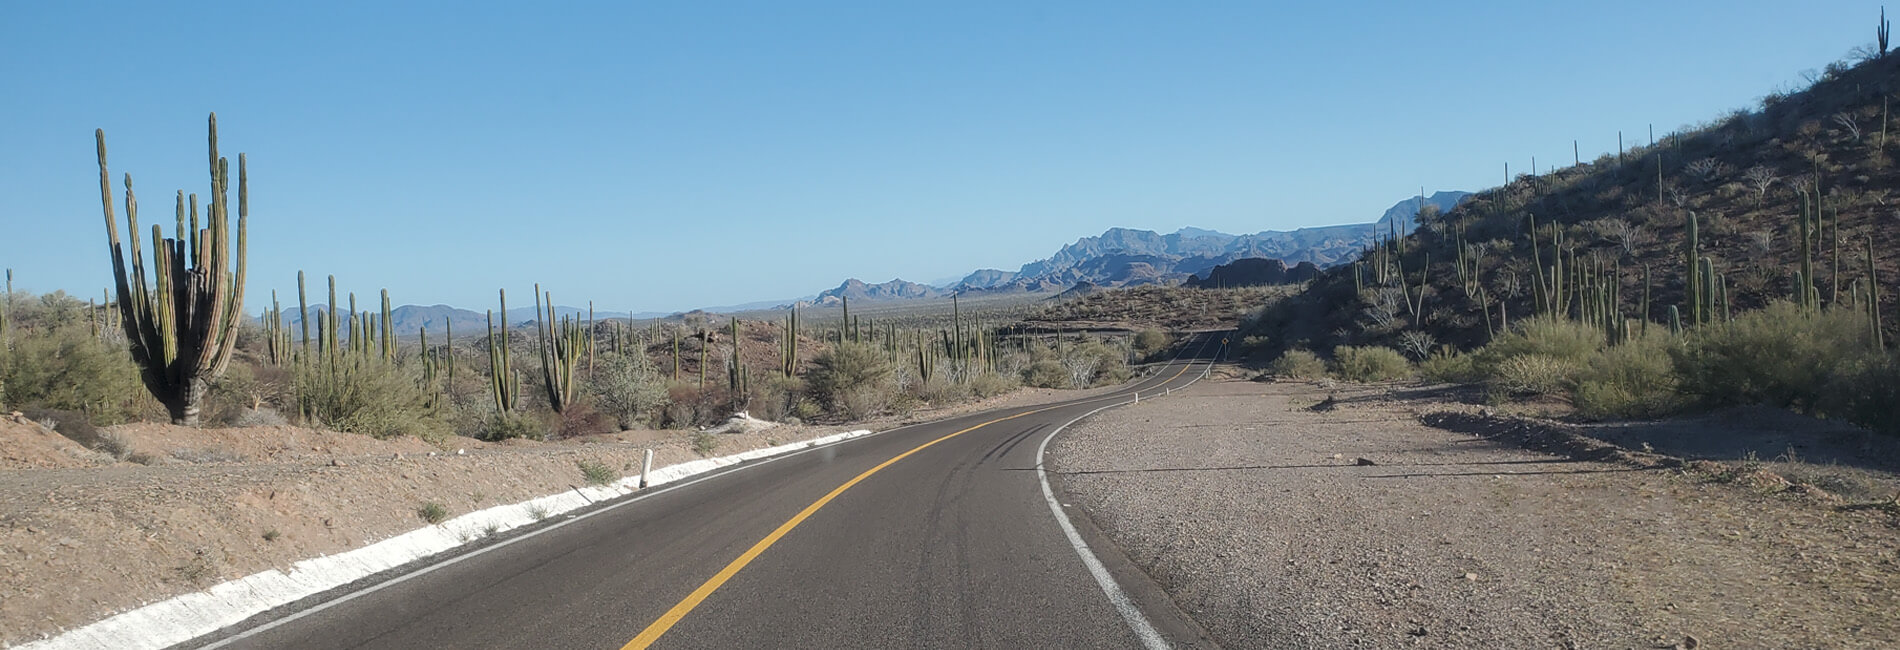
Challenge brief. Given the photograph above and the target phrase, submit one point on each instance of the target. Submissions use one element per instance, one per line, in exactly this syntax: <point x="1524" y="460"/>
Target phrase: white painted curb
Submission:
<point x="183" y="618"/>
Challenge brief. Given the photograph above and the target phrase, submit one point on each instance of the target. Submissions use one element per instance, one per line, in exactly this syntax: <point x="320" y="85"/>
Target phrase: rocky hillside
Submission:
<point x="1622" y="230"/>
<point x="1253" y="272"/>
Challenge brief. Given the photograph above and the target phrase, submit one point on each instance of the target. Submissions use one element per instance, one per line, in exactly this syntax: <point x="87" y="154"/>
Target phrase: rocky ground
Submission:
<point x="142" y="512"/>
<point x="1285" y="515"/>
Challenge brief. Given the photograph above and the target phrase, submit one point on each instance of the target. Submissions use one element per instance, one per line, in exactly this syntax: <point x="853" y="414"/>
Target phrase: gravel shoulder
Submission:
<point x="1257" y="515"/>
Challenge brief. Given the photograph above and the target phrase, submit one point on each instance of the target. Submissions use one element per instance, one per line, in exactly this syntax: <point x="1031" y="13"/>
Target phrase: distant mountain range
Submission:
<point x="1116" y="258"/>
<point x="1124" y="256"/>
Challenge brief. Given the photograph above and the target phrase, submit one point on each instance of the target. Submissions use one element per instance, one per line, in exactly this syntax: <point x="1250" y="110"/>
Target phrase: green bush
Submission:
<point x="1534" y="374"/>
<point x="1562" y="340"/>
<point x="367" y="396"/>
<point x="1095" y="363"/>
<point x="597" y="473"/>
<point x="67" y="369"/>
<point x="1370" y="363"/>
<point x="1298" y="364"/>
<point x="941" y="391"/>
<point x="626" y="389"/>
<point x="1447" y="365"/>
<point x="1047" y="373"/>
<point x="432" y="512"/>
<point x="1633" y="380"/>
<point x="1151" y="343"/>
<point x="705" y="443"/>
<point x="776" y="397"/>
<point x="844" y="369"/>
<point x="988" y="384"/>
<point x="504" y="425"/>
<point x="1114" y="375"/>
<point x="1869" y="393"/>
<point x="1779" y="355"/>
<point x="863" y="401"/>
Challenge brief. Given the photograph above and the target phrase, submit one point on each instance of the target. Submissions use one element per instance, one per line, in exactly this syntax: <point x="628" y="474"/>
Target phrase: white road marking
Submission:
<point x="1131" y="613"/>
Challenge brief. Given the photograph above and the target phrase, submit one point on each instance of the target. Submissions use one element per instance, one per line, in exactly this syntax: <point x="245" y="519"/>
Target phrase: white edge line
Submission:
<point x="1131" y="613"/>
<point x="168" y="622"/>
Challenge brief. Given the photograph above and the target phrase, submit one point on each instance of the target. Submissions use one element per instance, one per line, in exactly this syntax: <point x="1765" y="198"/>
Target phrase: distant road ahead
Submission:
<point x="935" y="535"/>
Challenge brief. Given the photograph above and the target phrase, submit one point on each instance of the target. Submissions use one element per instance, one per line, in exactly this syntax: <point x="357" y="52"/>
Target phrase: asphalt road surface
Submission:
<point x="937" y="535"/>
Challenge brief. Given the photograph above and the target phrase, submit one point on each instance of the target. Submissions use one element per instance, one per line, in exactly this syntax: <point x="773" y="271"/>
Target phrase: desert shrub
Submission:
<point x="432" y="512"/>
<point x="597" y="473"/>
<point x="1151" y="343"/>
<point x="1369" y="363"/>
<point x="705" y="443"/>
<point x="1533" y="374"/>
<point x="862" y="401"/>
<point x="1094" y="363"/>
<point x="683" y="402"/>
<point x="1114" y="375"/>
<point x="1298" y="364"/>
<point x="626" y="388"/>
<point x="1447" y="365"/>
<point x="1779" y="355"/>
<point x="1560" y="339"/>
<point x="989" y="384"/>
<point x="504" y="425"/>
<point x="940" y="390"/>
<point x="1868" y="393"/>
<point x="67" y="369"/>
<point x="776" y="397"/>
<point x="1632" y="380"/>
<point x="1047" y="373"/>
<point x="843" y="369"/>
<point x="581" y="419"/>
<point x="369" y="397"/>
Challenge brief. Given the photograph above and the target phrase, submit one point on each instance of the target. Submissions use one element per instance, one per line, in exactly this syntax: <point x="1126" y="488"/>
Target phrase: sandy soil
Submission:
<point x="1256" y="512"/>
<point x="84" y="535"/>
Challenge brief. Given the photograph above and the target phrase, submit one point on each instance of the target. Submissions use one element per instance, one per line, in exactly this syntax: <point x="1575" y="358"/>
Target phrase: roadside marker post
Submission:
<point x="646" y="466"/>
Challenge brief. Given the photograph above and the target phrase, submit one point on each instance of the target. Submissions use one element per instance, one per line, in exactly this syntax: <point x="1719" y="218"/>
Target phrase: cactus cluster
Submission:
<point x="183" y="326"/>
<point x="562" y="342"/>
<point x="788" y="347"/>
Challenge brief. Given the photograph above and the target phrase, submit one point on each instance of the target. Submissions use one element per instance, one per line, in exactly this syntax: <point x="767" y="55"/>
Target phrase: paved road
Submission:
<point x="855" y="545"/>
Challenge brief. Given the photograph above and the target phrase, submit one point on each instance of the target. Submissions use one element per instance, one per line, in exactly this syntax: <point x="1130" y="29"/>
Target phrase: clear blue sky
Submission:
<point x="664" y="156"/>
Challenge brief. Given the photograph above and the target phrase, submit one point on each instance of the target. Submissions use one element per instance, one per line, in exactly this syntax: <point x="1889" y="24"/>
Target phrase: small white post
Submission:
<point x="646" y="466"/>
<point x="1137" y="397"/>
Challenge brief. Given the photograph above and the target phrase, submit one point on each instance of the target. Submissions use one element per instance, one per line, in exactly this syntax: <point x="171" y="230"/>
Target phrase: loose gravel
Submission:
<point x="1279" y="526"/>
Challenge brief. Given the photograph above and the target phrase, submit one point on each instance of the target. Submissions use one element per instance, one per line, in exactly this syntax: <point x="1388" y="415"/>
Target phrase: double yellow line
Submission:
<point x="679" y="611"/>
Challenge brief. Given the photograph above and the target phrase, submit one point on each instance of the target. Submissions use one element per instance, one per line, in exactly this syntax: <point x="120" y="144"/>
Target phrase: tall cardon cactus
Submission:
<point x="181" y="327"/>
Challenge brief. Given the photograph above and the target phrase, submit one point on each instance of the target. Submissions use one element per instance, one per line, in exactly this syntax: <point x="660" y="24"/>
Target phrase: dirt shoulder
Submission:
<point x="1256" y="513"/>
<point x="84" y="535"/>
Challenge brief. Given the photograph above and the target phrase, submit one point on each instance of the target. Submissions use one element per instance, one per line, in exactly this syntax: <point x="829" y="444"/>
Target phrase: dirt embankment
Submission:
<point x="151" y="511"/>
<point x="1279" y="525"/>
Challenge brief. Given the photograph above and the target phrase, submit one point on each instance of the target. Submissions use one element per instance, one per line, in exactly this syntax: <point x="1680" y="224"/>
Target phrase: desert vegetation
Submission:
<point x="1740" y="261"/>
<point x="172" y="340"/>
<point x="1171" y="308"/>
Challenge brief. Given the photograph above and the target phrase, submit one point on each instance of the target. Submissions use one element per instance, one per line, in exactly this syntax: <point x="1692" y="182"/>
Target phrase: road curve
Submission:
<point x="930" y="535"/>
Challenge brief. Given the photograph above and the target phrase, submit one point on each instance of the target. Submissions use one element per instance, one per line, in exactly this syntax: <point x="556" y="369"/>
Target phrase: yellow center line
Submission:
<point x="672" y="616"/>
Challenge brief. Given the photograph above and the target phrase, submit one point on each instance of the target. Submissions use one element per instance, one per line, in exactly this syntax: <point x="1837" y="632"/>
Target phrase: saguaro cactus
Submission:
<point x="561" y="345"/>
<point x="182" y="328"/>
<point x="502" y="380"/>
